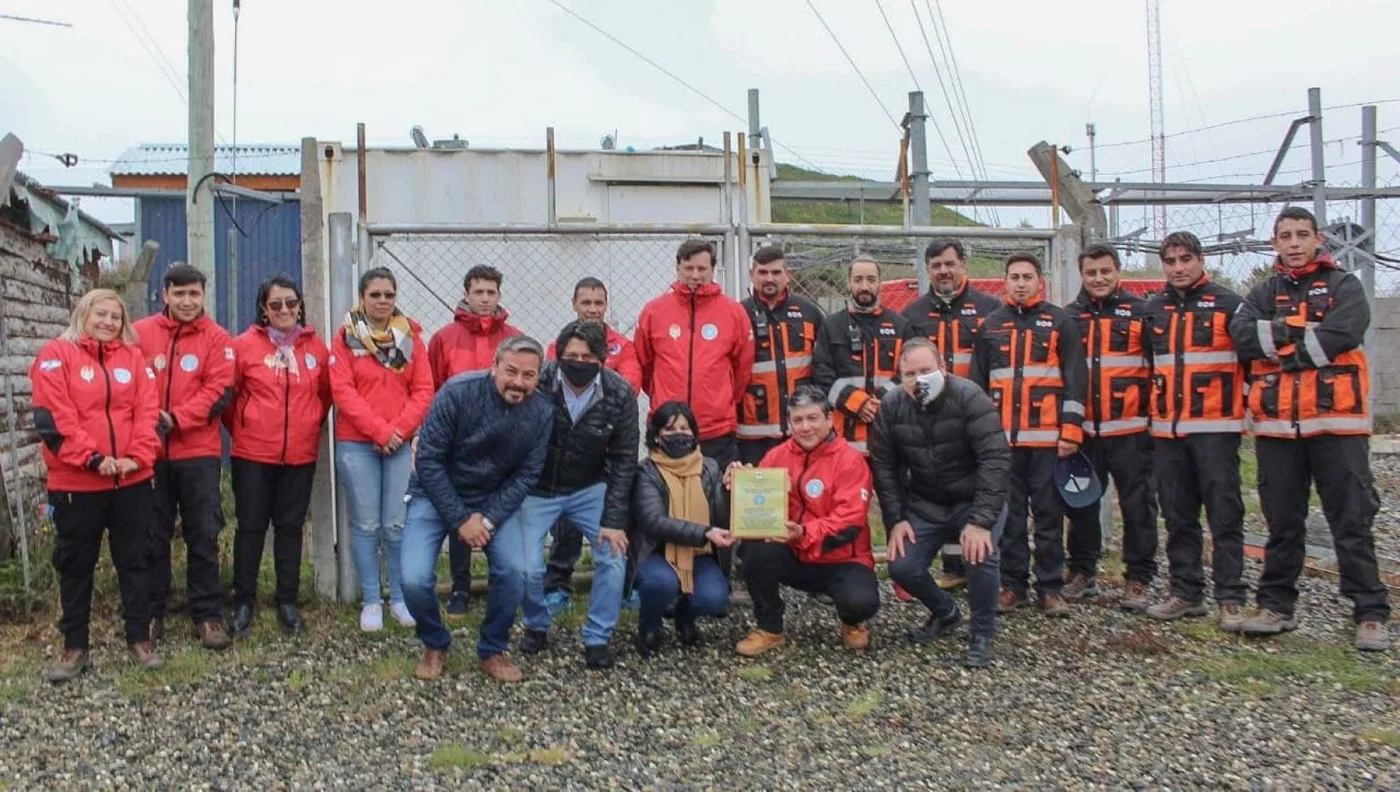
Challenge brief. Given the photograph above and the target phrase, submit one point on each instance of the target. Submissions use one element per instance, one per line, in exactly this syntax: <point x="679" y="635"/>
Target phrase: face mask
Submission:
<point x="676" y="446"/>
<point x="578" y="373"/>
<point x="928" y="386"/>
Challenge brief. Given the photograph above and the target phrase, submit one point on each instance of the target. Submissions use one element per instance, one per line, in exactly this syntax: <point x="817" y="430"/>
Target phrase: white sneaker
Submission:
<point x="401" y="614"/>
<point x="372" y="618"/>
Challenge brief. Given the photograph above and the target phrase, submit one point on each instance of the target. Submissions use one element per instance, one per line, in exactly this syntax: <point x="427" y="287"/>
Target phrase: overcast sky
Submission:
<point x="498" y="73"/>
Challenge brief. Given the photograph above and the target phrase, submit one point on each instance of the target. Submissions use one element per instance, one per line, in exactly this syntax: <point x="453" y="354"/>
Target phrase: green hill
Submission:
<point x="848" y="212"/>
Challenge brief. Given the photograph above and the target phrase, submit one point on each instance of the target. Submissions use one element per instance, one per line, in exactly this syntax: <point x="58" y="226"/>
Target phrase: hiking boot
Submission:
<point x="533" y="642"/>
<point x="689" y="633"/>
<point x="952" y="581"/>
<point x="902" y="595"/>
<point x="289" y="616"/>
<point x="1267" y="622"/>
<point x="1009" y="600"/>
<point x="648" y="644"/>
<point x="598" y="657"/>
<point x="558" y="602"/>
<point x="430" y="667"/>
<point x="1134" y="597"/>
<point x="70" y="666"/>
<point x="1174" y="607"/>
<point x="212" y="635"/>
<point x="857" y="636"/>
<point x="157" y="628"/>
<point x="1231" y="616"/>
<point x="1053" y="605"/>
<point x="979" y="652"/>
<point x="242" y="622"/>
<point x="936" y="627"/>
<point x="500" y="668"/>
<point x="1081" y="586"/>
<point x="759" y="642"/>
<point x="457" y="606"/>
<point x="1372" y="636"/>
<point x="144" y="654"/>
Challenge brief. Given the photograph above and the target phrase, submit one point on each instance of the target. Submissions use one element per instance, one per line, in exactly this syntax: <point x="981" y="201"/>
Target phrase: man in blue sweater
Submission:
<point x="480" y="452"/>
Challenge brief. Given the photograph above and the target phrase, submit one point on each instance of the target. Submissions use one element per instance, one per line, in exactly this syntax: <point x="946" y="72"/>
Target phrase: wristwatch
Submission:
<point x="490" y="526"/>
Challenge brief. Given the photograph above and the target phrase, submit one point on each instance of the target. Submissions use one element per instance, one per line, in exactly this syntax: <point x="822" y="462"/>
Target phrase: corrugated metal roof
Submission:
<point x="172" y="159"/>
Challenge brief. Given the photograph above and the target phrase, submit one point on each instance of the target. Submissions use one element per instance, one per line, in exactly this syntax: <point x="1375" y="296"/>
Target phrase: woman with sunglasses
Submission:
<point x="281" y="396"/>
<point x="382" y="384"/>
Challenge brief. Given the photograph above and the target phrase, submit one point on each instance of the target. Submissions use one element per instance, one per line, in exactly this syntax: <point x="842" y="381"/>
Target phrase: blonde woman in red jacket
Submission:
<point x="382" y="384"/>
<point x="281" y="394"/>
<point x="95" y="409"/>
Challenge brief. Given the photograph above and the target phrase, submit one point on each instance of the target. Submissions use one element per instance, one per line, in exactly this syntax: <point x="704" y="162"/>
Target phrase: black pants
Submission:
<point x="768" y="565"/>
<point x="751" y="452"/>
<point x="277" y="494"/>
<point x="1341" y="468"/>
<point x="723" y="449"/>
<point x="1033" y="483"/>
<point x="565" y="549"/>
<point x="79" y="521"/>
<point x="1128" y="458"/>
<point x="983" y="580"/>
<point x="459" y="559"/>
<point x="191" y="488"/>
<point x="1195" y="471"/>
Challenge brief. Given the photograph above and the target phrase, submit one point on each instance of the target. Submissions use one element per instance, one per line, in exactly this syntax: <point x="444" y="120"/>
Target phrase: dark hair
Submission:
<point x="664" y="415"/>
<point x="692" y="247"/>
<point x="1097" y="251"/>
<point x="768" y="254"/>
<point x="806" y="396"/>
<point x="284" y="281"/>
<point x="482" y="272"/>
<point x="590" y="333"/>
<point x="375" y="274"/>
<point x="941" y="244"/>
<point x="182" y="274"/>
<point x="1028" y="258"/>
<point x="1295" y="213"/>
<point x="1181" y="239"/>
<point x="863" y="259"/>
<point x="590" y="282"/>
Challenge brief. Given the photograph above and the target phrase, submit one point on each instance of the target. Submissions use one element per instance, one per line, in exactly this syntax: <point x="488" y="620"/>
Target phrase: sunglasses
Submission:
<point x="381" y="295"/>
<point x="290" y="304"/>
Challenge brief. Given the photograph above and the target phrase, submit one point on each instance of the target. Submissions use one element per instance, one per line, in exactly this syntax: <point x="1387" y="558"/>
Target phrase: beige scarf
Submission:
<point x="686" y="488"/>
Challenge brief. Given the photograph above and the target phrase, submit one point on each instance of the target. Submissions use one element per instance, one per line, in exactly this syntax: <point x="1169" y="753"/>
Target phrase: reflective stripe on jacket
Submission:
<point x="1197" y="379"/>
<point x="1118" y="345"/>
<point x="1031" y="362"/>
<point x="784" y="335"/>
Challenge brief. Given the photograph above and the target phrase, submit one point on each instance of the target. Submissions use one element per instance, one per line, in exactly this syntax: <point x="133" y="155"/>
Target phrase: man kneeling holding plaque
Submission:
<point x="825" y="547"/>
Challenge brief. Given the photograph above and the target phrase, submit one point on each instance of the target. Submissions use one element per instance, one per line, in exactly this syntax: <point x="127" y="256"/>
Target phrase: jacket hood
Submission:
<point x="92" y="346"/>
<point x="480" y="325"/>
<point x="1323" y="260"/>
<point x="170" y="323"/>
<point x="711" y="289"/>
<point x="1032" y="303"/>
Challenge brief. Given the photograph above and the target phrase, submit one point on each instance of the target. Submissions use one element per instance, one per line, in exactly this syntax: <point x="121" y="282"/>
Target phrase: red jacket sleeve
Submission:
<point x="350" y="405"/>
<point x="145" y="443"/>
<point x="850" y="505"/>
<point x="743" y="354"/>
<point x="215" y="387"/>
<point x="437" y="358"/>
<point x="55" y="416"/>
<point x="324" y="385"/>
<point x="646" y="356"/>
<point x="629" y="366"/>
<point x="232" y="408"/>
<point x="420" y="394"/>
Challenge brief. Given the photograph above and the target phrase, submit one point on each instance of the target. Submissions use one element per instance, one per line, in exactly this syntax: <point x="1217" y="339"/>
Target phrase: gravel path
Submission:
<point x="1100" y="700"/>
<point x="1387" y="529"/>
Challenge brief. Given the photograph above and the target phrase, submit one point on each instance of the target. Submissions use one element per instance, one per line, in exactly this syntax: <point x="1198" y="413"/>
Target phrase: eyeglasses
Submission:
<point x="290" y="304"/>
<point x="381" y="295"/>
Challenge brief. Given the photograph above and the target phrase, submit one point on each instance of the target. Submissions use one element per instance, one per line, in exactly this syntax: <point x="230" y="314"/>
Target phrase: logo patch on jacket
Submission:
<point x="121" y="375"/>
<point x="87" y="373"/>
<point x="159" y="362"/>
<point x="709" y="332"/>
<point x="189" y="363"/>
<point x="815" y="488"/>
<point x="50" y="365"/>
<point x="310" y="361"/>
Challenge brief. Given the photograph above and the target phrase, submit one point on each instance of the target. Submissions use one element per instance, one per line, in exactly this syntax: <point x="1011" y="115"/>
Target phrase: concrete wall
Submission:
<point x="1384" y="353"/>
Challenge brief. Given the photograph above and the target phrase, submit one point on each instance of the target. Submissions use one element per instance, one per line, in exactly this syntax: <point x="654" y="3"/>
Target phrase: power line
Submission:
<point x="851" y="61"/>
<point x="1237" y="121"/>
<point x="932" y="119"/>
<point x="161" y="62"/>
<point x="945" y="46"/>
<point x="34" y="21"/>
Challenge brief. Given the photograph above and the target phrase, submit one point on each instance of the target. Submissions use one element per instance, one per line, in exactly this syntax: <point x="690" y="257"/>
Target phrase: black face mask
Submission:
<point x="578" y="373"/>
<point x="676" y="446"/>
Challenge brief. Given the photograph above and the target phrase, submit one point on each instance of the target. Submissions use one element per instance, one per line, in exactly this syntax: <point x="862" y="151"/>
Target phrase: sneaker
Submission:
<point x="950" y="581"/>
<point x="1267" y="622"/>
<point x="1372" y="636"/>
<point x="1174" y="607"/>
<point x="457" y="605"/>
<point x="1053" y="605"/>
<point x="430" y="667"/>
<point x="557" y="602"/>
<point x="401" y="615"/>
<point x="633" y="601"/>
<point x="598" y="657"/>
<point x="1009" y="600"/>
<point x="372" y="618"/>
<point x="936" y="627"/>
<point x="1231" y="617"/>
<point x="500" y="668"/>
<point x="759" y="642"/>
<point x="1134" y="597"/>
<point x="979" y="652"/>
<point x="144" y="654"/>
<point x="533" y="642"/>
<point x="902" y="595"/>
<point x="1081" y="587"/>
<point x="70" y="666"/>
<point x="212" y="635"/>
<point x="856" y="636"/>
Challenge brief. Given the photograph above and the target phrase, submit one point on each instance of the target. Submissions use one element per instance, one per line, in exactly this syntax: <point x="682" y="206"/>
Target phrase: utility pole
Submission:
<point x="755" y="128"/>
<point x="199" y="204"/>
<point x="919" y="174"/>
<point x="1368" y="225"/>
<point x="1092" y="132"/>
<point x="1319" y="165"/>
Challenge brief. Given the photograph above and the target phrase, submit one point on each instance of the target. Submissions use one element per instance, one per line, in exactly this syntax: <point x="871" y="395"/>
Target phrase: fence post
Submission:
<point x="1319" y="164"/>
<point x="341" y="274"/>
<point x="314" y="279"/>
<point x="918" y="178"/>
<point x="1063" y="276"/>
<point x="16" y="500"/>
<point x="1368" y="224"/>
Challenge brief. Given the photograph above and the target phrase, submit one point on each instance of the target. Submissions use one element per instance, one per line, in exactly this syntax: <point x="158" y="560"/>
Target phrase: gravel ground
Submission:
<point x="1100" y="700"/>
<point x="1387" y="529"/>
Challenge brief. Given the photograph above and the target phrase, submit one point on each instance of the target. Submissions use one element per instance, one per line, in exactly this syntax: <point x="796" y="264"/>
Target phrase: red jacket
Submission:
<point x="468" y="344"/>
<point x="372" y="401"/>
<point x="829" y="493"/>
<point x="193" y="362"/>
<point x="276" y="416"/>
<point x="696" y="347"/>
<point x="92" y="401"/>
<point x="622" y="358"/>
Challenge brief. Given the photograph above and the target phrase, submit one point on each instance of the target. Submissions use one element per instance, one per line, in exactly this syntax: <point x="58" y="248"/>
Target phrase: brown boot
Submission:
<point x="1081" y="587"/>
<point x="500" y="668"/>
<point x="430" y="667"/>
<point x="1372" y="636"/>
<point x="1009" y="600"/>
<point x="1053" y="605"/>
<point x="212" y="635"/>
<point x="1231" y="617"/>
<point x="759" y="642"/>
<point x="1134" y="597"/>
<point x="144" y="654"/>
<point x="70" y="666"/>
<point x="857" y="636"/>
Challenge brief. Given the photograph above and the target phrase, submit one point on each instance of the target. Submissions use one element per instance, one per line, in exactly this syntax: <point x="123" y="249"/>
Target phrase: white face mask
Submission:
<point x="928" y="386"/>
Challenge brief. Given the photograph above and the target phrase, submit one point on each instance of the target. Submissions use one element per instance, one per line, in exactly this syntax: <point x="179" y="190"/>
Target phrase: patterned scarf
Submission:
<point x="392" y="346"/>
<point x="286" y="342"/>
<point x="684" y="484"/>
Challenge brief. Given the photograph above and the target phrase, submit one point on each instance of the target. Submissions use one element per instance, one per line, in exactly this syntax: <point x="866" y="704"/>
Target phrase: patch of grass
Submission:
<point x="553" y="755"/>
<point x="448" y="756"/>
<point x="1202" y="630"/>
<point x="875" y="751"/>
<point x="1301" y="660"/>
<point x="755" y="673"/>
<point x="865" y="704"/>
<point x="510" y="736"/>
<point x="1387" y="737"/>
<point x="1111" y="569"/>
<point x="182" y="669"/>
<point x="299" y="679"/>
<point x="706" y="740"/>
<point x="14" y="692"/>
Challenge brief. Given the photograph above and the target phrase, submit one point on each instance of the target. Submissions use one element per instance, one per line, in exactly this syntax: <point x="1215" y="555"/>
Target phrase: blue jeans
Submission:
<point x="375" y="485"/>
<point x="516" y="579"/>
<point x="422" y="544"/>
<point x="660" y="587"/>
<point x="983" y="580"/>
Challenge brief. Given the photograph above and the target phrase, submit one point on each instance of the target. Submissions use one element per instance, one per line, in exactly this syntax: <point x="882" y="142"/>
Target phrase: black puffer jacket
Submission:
<point x="935" y="460"/>
<point x="602" y="446"/>
<point x="653" y="525"/>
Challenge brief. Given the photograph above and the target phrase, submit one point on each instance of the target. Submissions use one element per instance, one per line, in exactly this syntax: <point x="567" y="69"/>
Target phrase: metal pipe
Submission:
<point x="918" y="144"/>
<point x="745" y="249"/>
<point x="574" y="229"/>
<point x="361" y="160"/>
<point x="551" y="207"/>
<point x="1319" y="164"/>
<point x="727" y="215"/>
<point x="1368" y="224"/>
<point x="965" y="232"/>
<point x="340" y="251"/>
<point x="16" y="500"/>
<point x="754" y="125"/>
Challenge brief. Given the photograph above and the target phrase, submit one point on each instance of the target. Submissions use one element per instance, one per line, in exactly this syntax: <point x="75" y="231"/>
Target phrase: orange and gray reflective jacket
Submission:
<point x="1030" y="360"/>
<point x="1197" y="379"/>
<point x="1117" y="339"/>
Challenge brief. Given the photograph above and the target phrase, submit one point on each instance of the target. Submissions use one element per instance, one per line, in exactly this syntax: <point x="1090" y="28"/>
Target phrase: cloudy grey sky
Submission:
<point x="499" y="72"/>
